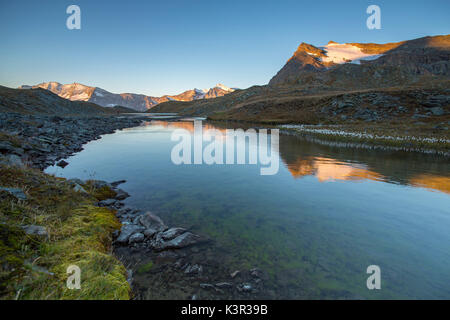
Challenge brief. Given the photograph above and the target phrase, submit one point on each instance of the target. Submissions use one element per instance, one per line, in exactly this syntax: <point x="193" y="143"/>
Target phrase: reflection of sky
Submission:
<point x="342" y="223"/>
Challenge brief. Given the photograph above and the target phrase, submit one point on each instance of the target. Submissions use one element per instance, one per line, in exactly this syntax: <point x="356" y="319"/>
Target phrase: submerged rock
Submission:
<point x="172" y="233"/>
<point x="235" y="273"/>
<point x="224" y="285"/>
<point x="190" y="269"/>
<point x="151" y="221"/>
<point x="183" y="240"/>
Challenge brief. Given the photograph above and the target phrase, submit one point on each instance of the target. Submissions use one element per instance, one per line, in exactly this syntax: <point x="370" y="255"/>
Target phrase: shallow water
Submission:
<point x="313" y="228"/>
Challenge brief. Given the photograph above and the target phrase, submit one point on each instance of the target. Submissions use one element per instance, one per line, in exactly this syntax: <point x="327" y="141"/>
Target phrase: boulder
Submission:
<point x="120" y="194"/>
<point x="172" y="233"/>
<point x="137" y="237"/>
<point x="35" y="230"/>
<point x="183" y="240"/>
<point x="15" y="192"/>
<point x="151" y="221"/>
<point x="150" y="232"/>
<point x="11" y="160"/>
<point x="127" y="231"/>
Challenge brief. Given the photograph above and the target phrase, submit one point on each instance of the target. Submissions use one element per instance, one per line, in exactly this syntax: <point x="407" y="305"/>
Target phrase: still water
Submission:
<point x="313" y="228"/>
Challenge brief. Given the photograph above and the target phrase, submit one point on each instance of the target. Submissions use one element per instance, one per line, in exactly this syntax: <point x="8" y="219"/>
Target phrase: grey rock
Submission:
<point x="121" y="195"/>
<point x="107" y="203"/>
<point x="116" y="183"/>
<point x="11" y="160"/>
<point x="35" y="230"/>
<point x="99" y="184"/>
<point x="15" y="192"/>
<point x="172" y="233"/>
<point x="190" y="269"/>
<point x="206" y="286"/>
<point x="79" y="188"/>
<point x="246" y="287"/>
<point x="183" y="240"/>
<point x="255" y="272"/>
<point x="437" y="111"/>
<point x="235" y="273"/>
<point x="137" y="237"/>
<point x="127" y="231"/>
<point x="149" y="220"/>
<point x="224" y="285"/>
<point x="150" y="232"/>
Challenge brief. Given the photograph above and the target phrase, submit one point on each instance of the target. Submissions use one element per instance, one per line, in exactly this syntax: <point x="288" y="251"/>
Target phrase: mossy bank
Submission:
<point x="73" y="231"/>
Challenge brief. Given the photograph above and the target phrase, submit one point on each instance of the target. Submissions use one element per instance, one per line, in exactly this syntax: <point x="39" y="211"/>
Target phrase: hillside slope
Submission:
<point x="40" y="101"/>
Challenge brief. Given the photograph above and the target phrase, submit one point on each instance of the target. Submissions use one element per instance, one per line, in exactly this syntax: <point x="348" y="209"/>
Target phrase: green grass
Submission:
<point x="146" y="267"/>
<point x="79" y="233"/>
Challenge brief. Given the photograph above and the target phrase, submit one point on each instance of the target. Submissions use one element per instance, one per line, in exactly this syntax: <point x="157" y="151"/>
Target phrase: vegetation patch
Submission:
<point x="77" y="233"/>
<point x="146" y="267"/>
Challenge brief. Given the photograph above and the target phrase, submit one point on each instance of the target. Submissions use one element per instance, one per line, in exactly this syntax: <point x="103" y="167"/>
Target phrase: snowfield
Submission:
<point x="343" y="53"/>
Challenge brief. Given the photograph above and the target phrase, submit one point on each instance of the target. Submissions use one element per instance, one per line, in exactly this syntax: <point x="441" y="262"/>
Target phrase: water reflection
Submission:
<point x="347" y="164"/>
<point x="314" y="227"/>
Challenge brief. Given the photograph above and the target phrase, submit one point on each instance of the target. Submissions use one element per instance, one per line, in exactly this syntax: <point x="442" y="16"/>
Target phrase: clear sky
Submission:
<point x="166" y="47"/>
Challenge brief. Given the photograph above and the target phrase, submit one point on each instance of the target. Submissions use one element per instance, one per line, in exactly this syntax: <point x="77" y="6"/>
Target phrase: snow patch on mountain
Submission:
<point x="343" y="53"/>
<point x="223" y="87"/>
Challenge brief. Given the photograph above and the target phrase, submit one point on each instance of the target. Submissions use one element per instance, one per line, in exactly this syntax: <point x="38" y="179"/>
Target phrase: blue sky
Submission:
<point x="167" y="47"/>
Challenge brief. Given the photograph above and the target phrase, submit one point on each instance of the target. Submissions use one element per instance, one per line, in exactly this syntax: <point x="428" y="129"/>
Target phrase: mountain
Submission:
<point x="40" y="101"/>
<point x="138" y="102"/>
<point x="423" y="56"/>
<point x="405" y="83"/>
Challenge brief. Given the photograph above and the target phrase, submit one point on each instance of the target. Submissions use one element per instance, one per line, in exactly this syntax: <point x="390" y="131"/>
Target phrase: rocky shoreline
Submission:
<point x="165" y="262"/>
<point x="40" y="141"/>
<point x="172" y="262"/>
<point x="162" y="262"/>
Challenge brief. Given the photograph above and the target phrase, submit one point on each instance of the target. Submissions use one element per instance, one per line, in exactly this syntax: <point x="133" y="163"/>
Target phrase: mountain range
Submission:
<point x="339" y="83"/>
<point x="138" y="102"/>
